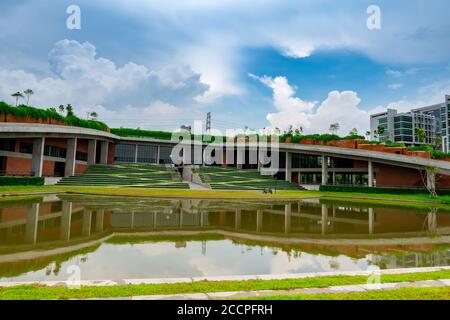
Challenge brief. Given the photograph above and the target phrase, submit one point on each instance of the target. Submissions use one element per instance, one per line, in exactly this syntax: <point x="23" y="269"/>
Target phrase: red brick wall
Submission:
<point x="48" y="168"/>
<point x="111" y="153"/>
<point x="391" y="176"/>
<point x="15" y="165"/>
<point x="80" y="168"/>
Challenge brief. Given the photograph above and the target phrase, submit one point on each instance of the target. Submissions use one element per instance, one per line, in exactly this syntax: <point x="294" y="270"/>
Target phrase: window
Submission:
<point x="7" y="144"/>
<point x="125" y="152"/>
<point x="147" y="153"/>
<point x="26" y="147"/>
<point x="81" y="156"/>
<point x="53" y="151"/>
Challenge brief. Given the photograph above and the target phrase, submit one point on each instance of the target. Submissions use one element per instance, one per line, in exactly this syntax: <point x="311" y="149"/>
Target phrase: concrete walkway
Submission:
<point x="262" y="293"/>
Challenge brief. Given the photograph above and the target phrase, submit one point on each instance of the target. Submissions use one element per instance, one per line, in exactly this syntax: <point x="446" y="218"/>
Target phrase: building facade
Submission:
<point x="400" y="127"/>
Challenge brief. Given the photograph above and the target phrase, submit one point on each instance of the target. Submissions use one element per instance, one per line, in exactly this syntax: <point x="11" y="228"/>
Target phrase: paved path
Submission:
<point x="255" y="294"/>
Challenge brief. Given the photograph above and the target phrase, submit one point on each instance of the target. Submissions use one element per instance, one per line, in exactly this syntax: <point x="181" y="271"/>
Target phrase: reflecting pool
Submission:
<point x="128" y="238"/>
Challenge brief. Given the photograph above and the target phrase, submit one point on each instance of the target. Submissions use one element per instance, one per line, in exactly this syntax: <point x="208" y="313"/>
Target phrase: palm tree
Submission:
<point x="367" y="135"/>
<point x="28" y="93"/>
<point x="17" y="95"/>
<point x="61" y="108"/>
<point x="94" y="115"/>
<point x="69" y="110"/>
<point x="334" y="127"/>
<point x="353" y="132"/>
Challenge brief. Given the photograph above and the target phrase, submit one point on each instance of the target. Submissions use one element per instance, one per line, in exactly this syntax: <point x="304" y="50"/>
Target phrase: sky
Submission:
<point x="154" y="64"/>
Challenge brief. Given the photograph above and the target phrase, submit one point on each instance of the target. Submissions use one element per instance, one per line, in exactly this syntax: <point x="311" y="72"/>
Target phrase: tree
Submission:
<point x="420" y="134"/>
<point x="353" y="132"/>
<point x="367" y="135"/>
<point x="429" y="180"/>
<point x="28" y="93"/>
<point x="380" y="130"/>
<point x="69" y="110"/>
<point x="299" y="130"/>
<point x="94" y="115"/>
<point x="61" y="108"/>
<point x="334" y="127"/>
<point x="17" y="95"/>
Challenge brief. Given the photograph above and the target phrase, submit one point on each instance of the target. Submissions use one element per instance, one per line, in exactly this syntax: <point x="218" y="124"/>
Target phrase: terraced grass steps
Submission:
<point x="128" y="175"/>
<point x="241" y="179"/>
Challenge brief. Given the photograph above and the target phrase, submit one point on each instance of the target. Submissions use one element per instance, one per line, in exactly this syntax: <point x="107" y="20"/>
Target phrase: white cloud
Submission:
<point x="131" y="93"/>
<point x="393" y="73"/>
<point x="395" y="86"/>
<point x="341" y="107"/>
<point x="284" y="95"/>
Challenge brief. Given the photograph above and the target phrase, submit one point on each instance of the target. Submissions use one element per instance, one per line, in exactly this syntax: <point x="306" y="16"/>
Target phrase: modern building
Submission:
<point x="400" y="127"/>
<point x="55" y="150"/>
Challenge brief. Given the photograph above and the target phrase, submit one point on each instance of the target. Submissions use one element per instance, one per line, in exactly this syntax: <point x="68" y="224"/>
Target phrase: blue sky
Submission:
<point x="262" y="63"/>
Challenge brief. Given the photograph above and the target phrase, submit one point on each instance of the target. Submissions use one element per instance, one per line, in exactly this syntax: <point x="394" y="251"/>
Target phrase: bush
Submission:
<point x="424" y="147"/>
<point x="394" y="144"/>
<point x="440" y="154"/>
<point x="380" y="190"/>
<point x="24" y="111"/>
<point x="22" y="181"/>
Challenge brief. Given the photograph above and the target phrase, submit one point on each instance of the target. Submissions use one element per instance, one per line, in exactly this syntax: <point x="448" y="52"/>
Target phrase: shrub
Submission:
<point x="22" y="181"/>
<point x="24" y="111"/>
<point x="424" y="147"/>
<point x="380" y="190"/>
<point x="394" y="144"/>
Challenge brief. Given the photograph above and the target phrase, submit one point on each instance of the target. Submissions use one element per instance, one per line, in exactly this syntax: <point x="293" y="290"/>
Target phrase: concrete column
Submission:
<point x="237" y="219"/>
<point x="99" y="218"/>
<point x="155" y="220"/>
<point x="92" y="152"/>
<point x="87" y="223"/>
<point x="370" y="174"/>
<point x="202" y="220"/>
<point x="181" y="218"/>
<point x="136" y="153"/>
<point x="371" y="220"/>
<point x="314" y="178"/>
<point x="324" y="171"/>
<point x="71" y="154"/>
<point x="287" y="218"/>
<point x="240" y="157"/>
<point x="288" y="167"/>
<point x="66" y="219"/>
<point x="259" y="220"/>
<point x="353" y="179"/>
<point x="324" y="219"/>
<point x="32" y="224"/>
<point x="158" y="154"/>
<point x="132" y="220"/>
<point x="334" y="177"/>
<point x="37" y="157"/>
<point x="432" y="221"/>
<point x="104" y="152"/>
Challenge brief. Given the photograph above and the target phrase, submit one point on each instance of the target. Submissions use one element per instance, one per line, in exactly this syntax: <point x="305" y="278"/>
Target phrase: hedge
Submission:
<point x="22" y="181"/>
<point x="380" y="190"/>
<point x="24" y="111"/>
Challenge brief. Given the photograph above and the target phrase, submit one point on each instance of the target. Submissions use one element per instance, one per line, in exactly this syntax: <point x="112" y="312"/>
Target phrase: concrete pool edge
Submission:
<point x="266" y="277"/>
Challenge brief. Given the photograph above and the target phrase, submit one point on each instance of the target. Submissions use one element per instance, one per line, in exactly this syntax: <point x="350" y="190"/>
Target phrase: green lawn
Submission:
<point x="387" y="199"/>
<point x="41" y="292"/>
<point x="436" y="293"/>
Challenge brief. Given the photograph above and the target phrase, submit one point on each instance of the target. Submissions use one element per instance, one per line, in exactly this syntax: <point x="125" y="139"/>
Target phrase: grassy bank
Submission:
<point x="421" y="200"/>
<point x="437" y="293"/>
<point x="42" y="292"/>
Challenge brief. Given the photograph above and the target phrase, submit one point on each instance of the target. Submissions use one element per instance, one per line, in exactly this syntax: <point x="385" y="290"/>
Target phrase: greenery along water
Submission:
<point x="113" y="238"/>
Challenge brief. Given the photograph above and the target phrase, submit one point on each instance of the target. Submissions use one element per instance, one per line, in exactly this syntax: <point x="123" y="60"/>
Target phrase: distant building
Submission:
<point x="400" y="127"/>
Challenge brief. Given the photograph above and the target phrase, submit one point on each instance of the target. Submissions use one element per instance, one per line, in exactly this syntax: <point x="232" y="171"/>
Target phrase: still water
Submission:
<point x="127" y="238"/>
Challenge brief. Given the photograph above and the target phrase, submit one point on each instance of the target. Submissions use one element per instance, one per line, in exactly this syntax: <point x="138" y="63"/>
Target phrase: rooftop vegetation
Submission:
<point x="23" y="111"/>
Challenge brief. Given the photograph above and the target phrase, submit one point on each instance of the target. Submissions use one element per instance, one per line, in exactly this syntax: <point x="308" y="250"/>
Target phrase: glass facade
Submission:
<point x="125" y="153"/>
<point x="147" y="153"/>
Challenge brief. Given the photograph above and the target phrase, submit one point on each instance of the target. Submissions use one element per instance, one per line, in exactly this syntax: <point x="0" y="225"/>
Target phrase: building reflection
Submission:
<point x="61" y="222"/>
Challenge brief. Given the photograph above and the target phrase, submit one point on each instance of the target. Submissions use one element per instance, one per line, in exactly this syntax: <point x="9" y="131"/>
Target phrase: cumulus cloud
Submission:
<point x="395" y="86"/>
<point x="341" y="107"/>
<point x="92" y="83"/>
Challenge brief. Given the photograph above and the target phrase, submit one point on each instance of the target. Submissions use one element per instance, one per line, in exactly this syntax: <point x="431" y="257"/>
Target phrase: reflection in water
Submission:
<point x="138" y="238"/>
